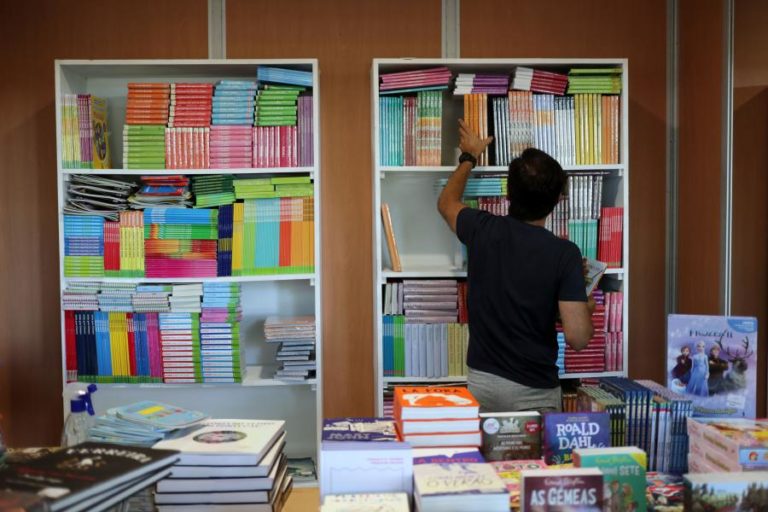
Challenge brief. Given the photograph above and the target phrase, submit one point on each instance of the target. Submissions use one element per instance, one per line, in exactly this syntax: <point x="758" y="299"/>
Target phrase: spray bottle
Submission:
<point x="81" y="413"/>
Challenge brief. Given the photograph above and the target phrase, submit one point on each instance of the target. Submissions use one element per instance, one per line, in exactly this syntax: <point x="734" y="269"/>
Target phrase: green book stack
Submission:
<point x="277" y="105"/>
<point x="143" y="146"/>
<point x="594" y="81"/>
<point x="213" y="190"/>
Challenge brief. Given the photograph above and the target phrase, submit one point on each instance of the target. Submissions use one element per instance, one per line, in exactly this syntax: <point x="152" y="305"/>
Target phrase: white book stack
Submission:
<point x="227" y="465"/>
<point x="459" y="488"/>
<point x="376" y="502"/>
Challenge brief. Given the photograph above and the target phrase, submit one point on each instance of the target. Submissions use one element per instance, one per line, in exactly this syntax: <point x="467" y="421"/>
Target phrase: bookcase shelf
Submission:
<point x="221" y="279"/>
<point x="259" y="395"/>
<point x="496" y="168"/>
<point x="192" y="172"/>
<point x="427" y="247"/>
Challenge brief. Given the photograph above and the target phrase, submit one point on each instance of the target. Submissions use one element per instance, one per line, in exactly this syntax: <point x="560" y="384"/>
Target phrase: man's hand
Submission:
<point x="591" y="304"/>
<point x="469" y="142"/>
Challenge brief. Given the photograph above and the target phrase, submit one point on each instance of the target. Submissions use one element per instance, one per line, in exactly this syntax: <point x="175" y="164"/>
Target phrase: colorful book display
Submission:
<point x="713" y="361"/>
<point x="120" y="332"/>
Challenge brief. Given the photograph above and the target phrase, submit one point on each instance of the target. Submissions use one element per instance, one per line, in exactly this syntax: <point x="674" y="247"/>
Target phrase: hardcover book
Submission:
<point x="510" y="436"/>
<point x="75" y="474"/>
<point x="724" y="492"/>
<point x="223" y="442"/>
<point x="359" y="429"/>
<point x="623" y="471"/>
<point x="459" y="488"/>
<point x="713" y="360"/>
<point x="429" y="403"/>
<point x="562" y="490"/>
<point x="446" y="455"/>
<point x="563" y="432"/>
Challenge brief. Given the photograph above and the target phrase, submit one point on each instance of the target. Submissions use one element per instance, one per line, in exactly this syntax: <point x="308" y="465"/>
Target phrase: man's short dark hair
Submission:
<point x="536" y="181"/>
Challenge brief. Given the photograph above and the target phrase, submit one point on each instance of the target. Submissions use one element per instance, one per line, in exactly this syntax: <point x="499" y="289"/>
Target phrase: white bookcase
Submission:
<point x="427" y="247"/>
<point x="259" y="396"/>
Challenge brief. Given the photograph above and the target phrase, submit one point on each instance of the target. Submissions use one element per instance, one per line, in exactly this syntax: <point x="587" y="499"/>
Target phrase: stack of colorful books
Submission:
<point x="146" y="117"/>
<point x="231" y="144"/>
<point x="411" y="129"/>
<point x="83" y="246"/>
<point x="284" y="76"/>
<point x="305" y="155"/>
<point x="180" y="342"/>
<point x="85" y="135"/>
<point x="162" y="191"/>
<point x="220" y="351"/>
<point x="185" y="251"/>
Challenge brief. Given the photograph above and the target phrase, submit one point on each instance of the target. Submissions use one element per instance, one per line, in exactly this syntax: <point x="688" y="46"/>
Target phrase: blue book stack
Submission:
<point x="560" y="353"/>
<point x="83" y="246"/>
<point x="221" y="359"/>
<point x="391" y="133"/>
<point x="284" y="76"/>
<point x="233" y="102"/>
<point x="224" y="253"/>
<point x="639" y="401"/>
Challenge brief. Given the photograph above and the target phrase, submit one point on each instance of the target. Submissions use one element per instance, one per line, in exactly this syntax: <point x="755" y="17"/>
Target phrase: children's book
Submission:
<point x="428" y="403"/>
<point x="562" y="490"/>
<point x="446" y="455"/>
<point x="713" y="361"/>
<point x="511" y="435"/>
<point x="102" y="159"/>
<point x="159" y="415"/>
<point x="563" y="432"/>
<point x="509" y="472"/>
<point x="664" y="492"/>
<point x="623" y="469"/>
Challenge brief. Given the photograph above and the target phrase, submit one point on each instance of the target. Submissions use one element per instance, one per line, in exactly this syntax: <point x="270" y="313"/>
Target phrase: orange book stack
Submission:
<point x="437" y="417"/>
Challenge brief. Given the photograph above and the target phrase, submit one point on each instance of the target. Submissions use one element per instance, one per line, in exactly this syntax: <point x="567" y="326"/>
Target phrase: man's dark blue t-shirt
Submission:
<point x="517" y="273"/>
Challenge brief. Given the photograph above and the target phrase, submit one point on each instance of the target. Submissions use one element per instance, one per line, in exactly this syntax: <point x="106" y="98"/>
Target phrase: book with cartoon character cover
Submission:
<point x="359" y="429"/>
<point x="72" y="475"/>
<point x="434" y="403"/>
<point x="713" y="361"/>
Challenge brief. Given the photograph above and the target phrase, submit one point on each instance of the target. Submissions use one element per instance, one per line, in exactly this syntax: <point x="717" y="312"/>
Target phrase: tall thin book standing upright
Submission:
<point x="394" y="255"/>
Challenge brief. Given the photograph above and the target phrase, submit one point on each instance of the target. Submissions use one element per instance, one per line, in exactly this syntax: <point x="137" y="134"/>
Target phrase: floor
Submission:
<point x="303" y="500"/>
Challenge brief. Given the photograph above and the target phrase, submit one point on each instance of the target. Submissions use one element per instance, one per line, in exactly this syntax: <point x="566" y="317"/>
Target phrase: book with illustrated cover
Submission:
<point x="725" y="492"/>
<point x="510" y="436"/>
<point x="623" y="471"/>
<point x="76" y="474"/>
<point x="713" y="361"/>
<point x="226" y="442"/>
<point x="434" y="403"/>
<point x="102" y="158"/>
<point x="563" y="432"/>
<point x="359" y="429"/>
<point x="664" y="492"/>
<point x="509" y="472"/>
<point x="594" y="271"/>
<point x="446" y="455"/>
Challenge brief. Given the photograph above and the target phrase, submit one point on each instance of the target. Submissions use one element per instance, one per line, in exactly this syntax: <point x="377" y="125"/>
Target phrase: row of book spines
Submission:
<point x="399" y="356"/>
<point x="611" y="236"/>
<point x="476" y="117"/>
<point x="102" y="379"/>
<point x="411" y="129"/>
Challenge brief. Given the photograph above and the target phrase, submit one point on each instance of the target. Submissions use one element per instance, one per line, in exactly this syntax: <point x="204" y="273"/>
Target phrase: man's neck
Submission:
<point x="538" y="222"/>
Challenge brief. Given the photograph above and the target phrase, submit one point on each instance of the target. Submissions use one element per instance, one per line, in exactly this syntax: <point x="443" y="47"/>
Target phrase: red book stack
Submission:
<point x="592" y="358"/>
<point x="437" y="417"/>
<point x="611" y="236"/>
<point x="275" y="146"/>
<point x="614" y="337"/>
<point x="111" y="248"/>
<point x="420" y="78"/>
<point x="231" y="147"/>
<point x="147" y="103"/>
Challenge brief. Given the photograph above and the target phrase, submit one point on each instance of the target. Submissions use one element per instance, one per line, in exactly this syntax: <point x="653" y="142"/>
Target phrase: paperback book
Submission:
<point x="623" y="469"/>
<point x="713" y="361"/>
<point x="562" y="490"/>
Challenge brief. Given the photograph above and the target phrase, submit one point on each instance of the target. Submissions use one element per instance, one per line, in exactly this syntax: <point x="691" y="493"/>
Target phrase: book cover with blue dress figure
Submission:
<point x="713" y="361"/>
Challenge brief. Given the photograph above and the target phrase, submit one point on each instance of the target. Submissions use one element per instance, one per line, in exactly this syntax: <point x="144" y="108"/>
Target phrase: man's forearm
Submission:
<point x="454" y="189"/>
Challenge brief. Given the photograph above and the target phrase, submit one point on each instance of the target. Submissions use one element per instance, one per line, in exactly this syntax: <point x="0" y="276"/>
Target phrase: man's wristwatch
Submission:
<point x="468" y="157"/>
